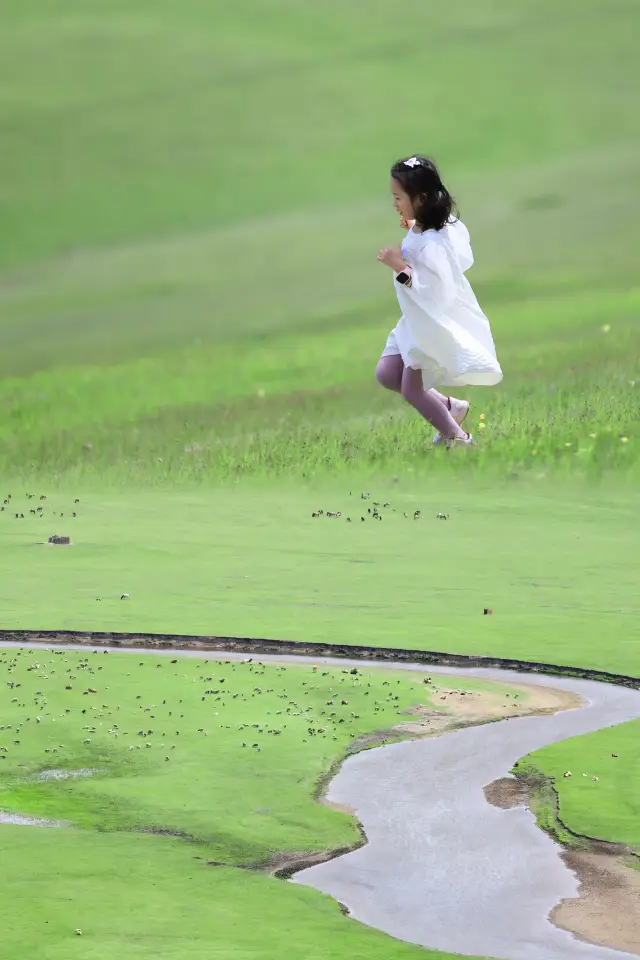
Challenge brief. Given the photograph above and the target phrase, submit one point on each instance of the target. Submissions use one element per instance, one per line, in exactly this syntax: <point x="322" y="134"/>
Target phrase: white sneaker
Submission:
<point x="466" y="441"/>
<point x="459" y="411"/>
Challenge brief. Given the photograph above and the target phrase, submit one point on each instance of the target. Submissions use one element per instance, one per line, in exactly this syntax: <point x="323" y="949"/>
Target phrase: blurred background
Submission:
<point x="193" y="196"/>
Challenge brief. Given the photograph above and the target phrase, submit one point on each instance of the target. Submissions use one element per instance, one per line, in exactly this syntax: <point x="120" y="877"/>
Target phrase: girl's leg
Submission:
<point x="450" y="402"/>
<point x="389" y="372"/>
<point x="428" y="404"/>
<point x="441" y="398"/>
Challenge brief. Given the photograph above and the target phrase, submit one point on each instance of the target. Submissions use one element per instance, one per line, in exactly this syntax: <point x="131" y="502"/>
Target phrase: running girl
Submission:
<point x="443" y="337"/>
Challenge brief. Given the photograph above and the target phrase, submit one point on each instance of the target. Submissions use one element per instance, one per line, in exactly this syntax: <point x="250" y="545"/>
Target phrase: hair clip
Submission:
<point x="412" y="162"/>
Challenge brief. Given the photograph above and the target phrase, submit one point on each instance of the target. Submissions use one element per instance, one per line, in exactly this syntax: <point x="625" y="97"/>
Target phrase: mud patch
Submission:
<point x="286" y="864"/>
<point x="453" y="708"/>
<point x="17" y="820"/>
<point x="607" y="909"/>
<point x="507" y="793"/>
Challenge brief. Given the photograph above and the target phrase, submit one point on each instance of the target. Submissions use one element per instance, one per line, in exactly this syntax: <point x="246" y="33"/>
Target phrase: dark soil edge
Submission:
<point x="258" y="646"/>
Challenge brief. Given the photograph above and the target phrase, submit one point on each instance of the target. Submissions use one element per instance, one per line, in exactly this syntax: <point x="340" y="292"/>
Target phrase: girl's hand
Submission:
<point x="392" y="256"/>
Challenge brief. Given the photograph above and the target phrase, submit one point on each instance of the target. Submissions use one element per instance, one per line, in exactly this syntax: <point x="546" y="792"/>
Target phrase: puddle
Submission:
<point x="17" y="820"/>
<point x="69" y="774"/>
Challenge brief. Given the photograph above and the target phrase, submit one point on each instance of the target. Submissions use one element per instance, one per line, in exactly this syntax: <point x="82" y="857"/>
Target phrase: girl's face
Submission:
<point x="402" y="201"/>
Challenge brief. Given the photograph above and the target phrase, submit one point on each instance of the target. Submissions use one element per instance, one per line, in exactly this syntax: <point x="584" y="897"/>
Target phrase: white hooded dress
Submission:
<point x="442" y="330"/>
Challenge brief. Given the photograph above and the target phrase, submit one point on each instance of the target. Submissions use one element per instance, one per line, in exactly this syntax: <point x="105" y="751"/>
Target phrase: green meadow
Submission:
<point x="193" y="197"/>
<point x="601" y="797"/>
<point x="187" y="770"/>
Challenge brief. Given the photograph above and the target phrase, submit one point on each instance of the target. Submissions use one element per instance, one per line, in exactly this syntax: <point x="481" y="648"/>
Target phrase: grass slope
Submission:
<point x="604" y="808"/>
<point x="148" y="898"/>
<point x="124" y="339"/>
<point x="146" y="895"/>
<point x="228" y="754"/>
<point x="189" y="292"/>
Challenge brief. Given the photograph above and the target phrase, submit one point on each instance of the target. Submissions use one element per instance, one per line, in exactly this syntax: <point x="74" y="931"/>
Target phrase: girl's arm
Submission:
<point x="432" y="279"/>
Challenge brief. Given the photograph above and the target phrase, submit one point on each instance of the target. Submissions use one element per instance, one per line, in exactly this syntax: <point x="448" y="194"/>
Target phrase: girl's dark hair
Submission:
<point x="433" y="205"/>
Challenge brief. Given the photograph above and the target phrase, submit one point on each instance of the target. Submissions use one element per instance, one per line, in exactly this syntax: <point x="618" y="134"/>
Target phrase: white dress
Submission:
<point x="442" y="330"/>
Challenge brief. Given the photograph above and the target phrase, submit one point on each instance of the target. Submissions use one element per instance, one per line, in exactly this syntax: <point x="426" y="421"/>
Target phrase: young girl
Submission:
<point x="442" y="337"/>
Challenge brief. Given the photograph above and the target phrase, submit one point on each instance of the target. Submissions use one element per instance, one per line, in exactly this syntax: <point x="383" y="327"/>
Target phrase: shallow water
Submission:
<point x="17" y="820"/>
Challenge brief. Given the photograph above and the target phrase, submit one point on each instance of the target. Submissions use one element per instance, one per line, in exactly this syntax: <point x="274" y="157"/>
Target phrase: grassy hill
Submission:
<point x="192" y="198"/>
<point x="197" y="194"/>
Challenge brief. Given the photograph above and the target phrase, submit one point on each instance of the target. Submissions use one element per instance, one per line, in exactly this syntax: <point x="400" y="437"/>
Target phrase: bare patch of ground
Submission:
<point x="460" y="708"/>
<point x="507" y="793"/>
<point x="607" y="910"/>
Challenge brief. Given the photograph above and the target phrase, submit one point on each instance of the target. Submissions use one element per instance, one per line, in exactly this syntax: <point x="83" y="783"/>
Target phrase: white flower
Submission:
<point x="412" y="162"/>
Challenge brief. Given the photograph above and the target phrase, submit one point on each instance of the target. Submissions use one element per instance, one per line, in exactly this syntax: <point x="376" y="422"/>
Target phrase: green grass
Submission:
<point x="190" y="746"/>
<point x="557" y="566"/>
<point x="239" y="805"/>
<point x="606" y="808"/>
<point x="140" y="897"/>
<point x="194" y="197"/>
<point x="176" y="287"/>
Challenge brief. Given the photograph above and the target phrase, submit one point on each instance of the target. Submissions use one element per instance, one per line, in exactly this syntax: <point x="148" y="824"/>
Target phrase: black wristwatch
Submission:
<point x="404" y="278"/>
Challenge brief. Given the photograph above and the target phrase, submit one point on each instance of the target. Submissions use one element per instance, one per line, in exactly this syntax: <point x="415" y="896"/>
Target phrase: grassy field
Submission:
<point x="556" y="565"/>
<point x="147" y="897"/>
<point x="601" y="798"/>
<point x="191" y="310"/>
<point x="224" y="757"/>
<point x="172" y="263"/>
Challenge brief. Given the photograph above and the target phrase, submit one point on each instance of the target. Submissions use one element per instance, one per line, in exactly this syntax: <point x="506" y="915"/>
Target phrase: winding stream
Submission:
<point x="443" y="868"/>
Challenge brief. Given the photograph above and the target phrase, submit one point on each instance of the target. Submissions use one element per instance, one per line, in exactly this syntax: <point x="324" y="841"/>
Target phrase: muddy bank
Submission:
<point x="248" y="645"/>
<point x="607" y="908"/>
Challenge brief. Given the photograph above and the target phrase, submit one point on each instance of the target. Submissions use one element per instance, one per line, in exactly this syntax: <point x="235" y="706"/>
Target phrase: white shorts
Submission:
<point x="432" y="375"/>
<point x="391" y="348"/>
